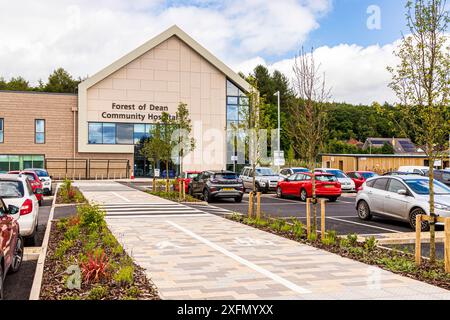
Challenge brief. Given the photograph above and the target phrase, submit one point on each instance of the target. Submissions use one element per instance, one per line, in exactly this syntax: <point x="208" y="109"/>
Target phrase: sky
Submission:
<point x="352" y="39"/>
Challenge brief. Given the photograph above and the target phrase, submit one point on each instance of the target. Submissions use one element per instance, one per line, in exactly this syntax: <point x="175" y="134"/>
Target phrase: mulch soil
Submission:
<point x="54" y="278"/>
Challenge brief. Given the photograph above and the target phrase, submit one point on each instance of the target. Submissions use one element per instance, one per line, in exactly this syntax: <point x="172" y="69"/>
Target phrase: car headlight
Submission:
<point x="262" y="183"/>
<point x="441" y="207"/>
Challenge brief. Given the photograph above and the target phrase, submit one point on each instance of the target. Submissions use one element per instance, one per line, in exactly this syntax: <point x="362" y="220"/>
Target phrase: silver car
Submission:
<point x="401" y="197"/>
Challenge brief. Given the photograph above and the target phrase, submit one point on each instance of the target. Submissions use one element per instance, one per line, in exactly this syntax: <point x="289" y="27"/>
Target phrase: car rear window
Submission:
<point x="41" y="173"/>
<point x="11" y="189"/>
<point x="30" y="176"/>
<point x="229" y="176"/>
<point x="192" y="175"/>
<point x="326" y="178"/>
<point x="368" y="175"/>
<point x="337" y="173"/>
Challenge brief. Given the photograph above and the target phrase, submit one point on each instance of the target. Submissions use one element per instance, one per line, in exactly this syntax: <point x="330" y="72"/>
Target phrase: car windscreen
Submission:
<point x="11" y="189"/>
<point x="225" y="176"/>
<point x="192" y="175"/>
<point x="421" y="186"/>
<point x="41" y="173"/>
<point x="264" y="172"/>
<point x="300" y="170"/>
<point x="368" y="175"/>
<point x="337" y="173"/>
<point x="326" y="178"/>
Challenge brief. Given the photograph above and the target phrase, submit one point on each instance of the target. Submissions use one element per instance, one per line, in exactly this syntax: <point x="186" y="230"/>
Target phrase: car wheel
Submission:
<point x="18" y="256"/>
<point x="303" y="195"/>
<point x="206" y="196"/>
<point x="190" y="191"/>
<point x="364" y="211"/>
<point x="31" y="240"/>
<point x="1" y="282"/>
<point x="279" y="192"/>
<point x="425" y="226"/>
<point x="40" y="203"/>
<point x="332" y="199"/>
<point x="238" y="199"/>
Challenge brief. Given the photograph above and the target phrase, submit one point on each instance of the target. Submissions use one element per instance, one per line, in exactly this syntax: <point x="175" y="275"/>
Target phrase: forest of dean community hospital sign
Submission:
<point x="141" y="112"/>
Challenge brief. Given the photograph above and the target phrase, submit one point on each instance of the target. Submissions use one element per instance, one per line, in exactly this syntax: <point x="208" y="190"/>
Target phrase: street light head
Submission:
<point x="277" y="93"/>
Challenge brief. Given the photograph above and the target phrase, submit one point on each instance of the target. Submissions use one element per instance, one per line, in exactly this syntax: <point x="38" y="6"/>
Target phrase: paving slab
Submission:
<point x="190" y="254"/>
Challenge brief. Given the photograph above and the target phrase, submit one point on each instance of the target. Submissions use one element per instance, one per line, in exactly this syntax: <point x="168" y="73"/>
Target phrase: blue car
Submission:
<point x="171" y="174"/>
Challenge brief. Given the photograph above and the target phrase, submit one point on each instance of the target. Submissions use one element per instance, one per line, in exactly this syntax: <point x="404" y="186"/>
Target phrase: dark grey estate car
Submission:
<point x="214" y="184"/>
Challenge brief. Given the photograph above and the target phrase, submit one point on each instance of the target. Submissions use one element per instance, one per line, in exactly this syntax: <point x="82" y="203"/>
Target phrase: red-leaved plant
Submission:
<point x="95" y="268"/>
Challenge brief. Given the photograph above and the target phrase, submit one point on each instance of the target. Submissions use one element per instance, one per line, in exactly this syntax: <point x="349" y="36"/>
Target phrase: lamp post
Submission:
<point x="278" y="129"/>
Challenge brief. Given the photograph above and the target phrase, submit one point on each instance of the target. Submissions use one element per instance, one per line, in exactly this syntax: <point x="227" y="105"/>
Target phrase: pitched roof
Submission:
<point x="172" y="31"/>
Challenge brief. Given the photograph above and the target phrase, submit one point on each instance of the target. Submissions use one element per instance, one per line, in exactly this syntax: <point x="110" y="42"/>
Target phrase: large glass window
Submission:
<point x="237" y="107"/>
<point x="95" y="133"/>
<point x="40" y="131"/>
<point x="1" y="130"/>
<point x="139" y="132"/>
<point x="109" y="133"/>
<point x="124" y="133"/>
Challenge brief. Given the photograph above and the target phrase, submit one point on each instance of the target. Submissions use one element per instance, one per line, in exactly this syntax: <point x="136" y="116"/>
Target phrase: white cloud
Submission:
<point x="83" y="36"/>
<point x="355" y="74"/>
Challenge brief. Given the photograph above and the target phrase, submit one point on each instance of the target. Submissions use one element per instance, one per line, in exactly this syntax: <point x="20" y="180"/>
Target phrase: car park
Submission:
<point x="300" y="185"/>
<point x="347" y="184"/>
<point x="286" y="172"/>
<point x="34" y="181"/>
<point x="11" y="243"/>
<point x="213" y="184"/>
<point x="186" y="176"/>
<point x="265" y="179"/>
<point x="359" y="177"/>
<point x="16" y="190"/>
<point x="45" y="178"/>
<point x="402" y="197"/>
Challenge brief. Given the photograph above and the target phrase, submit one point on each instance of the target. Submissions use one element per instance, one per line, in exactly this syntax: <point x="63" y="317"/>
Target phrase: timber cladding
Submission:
<point x="376" y="163"/>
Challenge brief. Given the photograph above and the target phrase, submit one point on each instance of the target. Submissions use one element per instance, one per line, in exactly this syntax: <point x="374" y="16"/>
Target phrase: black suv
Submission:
<point x="217" y="184"/>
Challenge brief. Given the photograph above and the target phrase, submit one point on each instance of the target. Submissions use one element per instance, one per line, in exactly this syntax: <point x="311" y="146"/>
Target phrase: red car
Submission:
<point x="300" y="185"/>
<point x="359" y="177"/>
<point x="11" y="243"/>
<point x="34" y="181"/>
<point x="187" y="177"/>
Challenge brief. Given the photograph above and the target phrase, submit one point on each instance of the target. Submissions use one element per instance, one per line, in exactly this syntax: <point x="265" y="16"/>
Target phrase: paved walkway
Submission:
<point x="190" y="254"/>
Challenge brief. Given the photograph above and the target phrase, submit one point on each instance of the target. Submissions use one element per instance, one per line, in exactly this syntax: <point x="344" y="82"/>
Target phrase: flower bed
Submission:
<point x="173" y="196"/>
<point x="367" y="252"/>
<point x="85" y="262"/>
<point x="67" y="193"/>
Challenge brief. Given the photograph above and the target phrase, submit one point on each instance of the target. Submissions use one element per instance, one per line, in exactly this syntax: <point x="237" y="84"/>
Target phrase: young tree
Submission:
<point x="421" y="82"/>
<point x="307" y="125"/>
<point x="151" y="148"/>
<point x="61" y="81"/>
<point x="183" y="129"/>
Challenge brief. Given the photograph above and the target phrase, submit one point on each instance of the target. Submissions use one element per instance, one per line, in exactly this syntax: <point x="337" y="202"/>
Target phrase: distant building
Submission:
<point x="356" y="143"/>
<point x="400" y="145"/>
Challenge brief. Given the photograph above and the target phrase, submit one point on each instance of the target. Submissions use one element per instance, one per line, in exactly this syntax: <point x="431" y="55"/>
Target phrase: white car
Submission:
<point x="422" y="170"/>
<point x="287" y="172"/>
<point x="347" y="184"/>
<point x="45" y="179"/>
<point x="16" y="190"/>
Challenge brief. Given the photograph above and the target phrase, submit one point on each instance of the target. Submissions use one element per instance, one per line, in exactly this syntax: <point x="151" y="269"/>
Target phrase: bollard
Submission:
<point x="180" y="193"/>
<point x="250" y="204"/>
<point x="258" y="205"/>
<point x="308" y="217"/>
<point x="447" y="245"/>
<point x="322" y="218"/>
<point x="418" y="242"/>
<point x="183" y="185"/>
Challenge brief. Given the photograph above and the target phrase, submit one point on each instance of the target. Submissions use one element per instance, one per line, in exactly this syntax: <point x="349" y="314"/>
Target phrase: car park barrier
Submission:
<point x="419" y="219"/>
<point x="258" y="205"/>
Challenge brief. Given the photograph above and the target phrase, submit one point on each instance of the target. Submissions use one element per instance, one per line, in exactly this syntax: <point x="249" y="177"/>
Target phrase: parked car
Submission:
<point x="265" y="179"/>
<point x="186" y="176"/>
<point x="217" y="184"/>
<point x="11" y="243"/>
<point x="286" y="172"/>
<point x="300" y="185"/>
<point x="401" y="197"/>
<point x="359" y="177"/>
<point x="347" y="184"/>
<point x="45" y="178"/>
<point x="34" y="181"/>
<point x="442" y="176"/>
<point x="398" y="173"/>
<point x="16" y="190"/>
<point x="171" y="174"/>
<point x="422" y="170"/>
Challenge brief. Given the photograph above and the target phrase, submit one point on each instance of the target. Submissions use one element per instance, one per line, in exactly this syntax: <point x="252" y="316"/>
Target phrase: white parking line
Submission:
<point x="363" y="224"/>
<point x="288" y="284"/>
<point x="121" y="197"/>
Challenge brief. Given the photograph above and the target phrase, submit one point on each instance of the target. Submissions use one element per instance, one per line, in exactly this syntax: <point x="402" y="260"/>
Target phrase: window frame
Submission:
<point x="36" y="132"/>
<point x="2" y="131"/>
